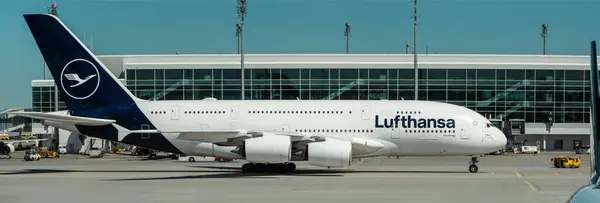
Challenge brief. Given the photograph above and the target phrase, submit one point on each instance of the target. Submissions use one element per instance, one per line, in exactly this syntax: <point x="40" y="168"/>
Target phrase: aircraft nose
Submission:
<point x="500" y="139"/>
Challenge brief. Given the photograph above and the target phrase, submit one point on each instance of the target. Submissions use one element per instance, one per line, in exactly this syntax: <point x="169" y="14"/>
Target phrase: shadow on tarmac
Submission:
<point x="236" y="173"/>
<point x="223" y="172"/>
<point x="47" y="171"/>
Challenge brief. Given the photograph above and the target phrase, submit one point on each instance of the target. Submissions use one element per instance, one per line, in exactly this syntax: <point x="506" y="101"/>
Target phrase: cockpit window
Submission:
<point x="488" y="125"/>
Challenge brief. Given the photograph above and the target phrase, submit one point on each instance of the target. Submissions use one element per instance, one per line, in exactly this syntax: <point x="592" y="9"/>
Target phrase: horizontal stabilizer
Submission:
<point x="18" y="141"/>
<point x="65" y="118"/>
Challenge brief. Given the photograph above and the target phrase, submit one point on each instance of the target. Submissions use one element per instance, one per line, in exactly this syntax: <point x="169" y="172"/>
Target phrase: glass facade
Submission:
<point x="43" y="99"/>
<point x="512" y="93"/>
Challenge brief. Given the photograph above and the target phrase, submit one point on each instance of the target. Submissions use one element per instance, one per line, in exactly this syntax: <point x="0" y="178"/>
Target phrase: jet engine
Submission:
<point x="330" y="153"/>
<point x="6" y="149"/>
<point x="269" y="148"/>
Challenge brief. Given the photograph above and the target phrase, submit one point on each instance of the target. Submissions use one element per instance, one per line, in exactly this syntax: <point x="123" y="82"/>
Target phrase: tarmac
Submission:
<point x="119" y="178"/>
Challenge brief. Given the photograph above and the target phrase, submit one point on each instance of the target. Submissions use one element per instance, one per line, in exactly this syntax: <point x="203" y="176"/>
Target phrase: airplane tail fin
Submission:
<point x="82" y="80"/>
<point x="595" y="111"/>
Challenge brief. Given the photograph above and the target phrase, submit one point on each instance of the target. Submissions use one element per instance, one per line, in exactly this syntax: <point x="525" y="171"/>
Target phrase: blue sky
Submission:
<point x="294" y="26"/>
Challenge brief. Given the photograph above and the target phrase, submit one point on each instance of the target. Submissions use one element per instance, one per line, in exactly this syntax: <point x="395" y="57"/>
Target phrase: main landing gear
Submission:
<point x="472" y="167"/>
<point x="268" y="168"/>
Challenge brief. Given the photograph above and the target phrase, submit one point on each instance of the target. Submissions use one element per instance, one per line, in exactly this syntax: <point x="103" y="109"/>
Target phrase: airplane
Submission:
<point x="269" y="134"/>
<point x="591" y="191"/>
<point x="7" y="147"/>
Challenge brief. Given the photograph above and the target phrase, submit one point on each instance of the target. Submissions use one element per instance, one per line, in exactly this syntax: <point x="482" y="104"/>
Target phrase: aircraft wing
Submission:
<point x="235" y="137"/>
<point x="360" y="144"/>
<point x="225" y="137"/>
<point x="64" y="118"/>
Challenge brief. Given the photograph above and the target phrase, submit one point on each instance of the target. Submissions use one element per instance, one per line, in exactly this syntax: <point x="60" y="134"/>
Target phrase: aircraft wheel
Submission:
<point x="271" y="168"/>
<point x="290" y="167"/>
<point x="473" y="168"/>
<point x="191" y="159"/>
<point x="248" y="167"/>
<point x="260" y="168"/>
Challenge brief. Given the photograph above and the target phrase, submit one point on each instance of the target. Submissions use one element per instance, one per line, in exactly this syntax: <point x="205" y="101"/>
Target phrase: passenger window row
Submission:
<point x="334" y="131"/>
<point x="430" y="131"/>
<point x="297" y="112"/>
<point x="280" y="112"/>
<point x="408" y="112"/>
<point x="191" y="112"/>
<point x="204" y="112"/>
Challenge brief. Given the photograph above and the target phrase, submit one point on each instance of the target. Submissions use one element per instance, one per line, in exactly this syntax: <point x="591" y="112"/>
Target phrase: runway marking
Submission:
<point x="531" y="185"/>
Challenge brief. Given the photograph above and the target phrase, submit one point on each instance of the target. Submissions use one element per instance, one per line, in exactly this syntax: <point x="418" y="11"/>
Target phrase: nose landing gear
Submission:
<point x="472" y="167"/>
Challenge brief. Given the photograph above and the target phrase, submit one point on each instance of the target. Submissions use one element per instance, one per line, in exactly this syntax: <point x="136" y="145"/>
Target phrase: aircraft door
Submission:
<point x="145" y="136"/>
<point x="365" y="112"/>
<point x="235" y="113"/>
<point x="464" y="135"/>
<point x="175" y="113"/>
<point x="395" y="133"/>
<point x="285" y="127"/>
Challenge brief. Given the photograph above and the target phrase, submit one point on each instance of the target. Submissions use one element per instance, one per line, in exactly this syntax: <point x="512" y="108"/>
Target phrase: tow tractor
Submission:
<point x="566" y="162"/>
<point x="45" y="153"/>
<point x="32" y="155"/>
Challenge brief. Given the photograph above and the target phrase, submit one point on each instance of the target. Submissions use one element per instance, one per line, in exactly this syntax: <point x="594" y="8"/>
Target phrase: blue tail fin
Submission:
<point x="89" y="89"/>
<point x="595" y="110"/>
<point x="82" y="80"/>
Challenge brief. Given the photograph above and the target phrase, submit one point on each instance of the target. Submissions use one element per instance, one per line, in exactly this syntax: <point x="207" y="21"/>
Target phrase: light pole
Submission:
<point x="242" y="9"/>
<point x="347" y="33"/>
<point x="53" y="10"/>
<point x="238" y="30"/>
<point x="415" y="49"/>
<point x="544" y="36"/>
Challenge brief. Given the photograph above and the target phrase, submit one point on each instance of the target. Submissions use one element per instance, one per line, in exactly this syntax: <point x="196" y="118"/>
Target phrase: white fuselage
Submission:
<point x="468" y="133"/>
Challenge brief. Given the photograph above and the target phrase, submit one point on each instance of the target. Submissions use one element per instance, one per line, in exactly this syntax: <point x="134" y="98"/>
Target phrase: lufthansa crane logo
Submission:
<point x="82" y="79"/>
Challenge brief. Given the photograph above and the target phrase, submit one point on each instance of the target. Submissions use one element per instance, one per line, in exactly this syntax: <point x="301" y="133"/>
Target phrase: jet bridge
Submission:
<point x="498" y="123"/>
<point x="514" y="127"/>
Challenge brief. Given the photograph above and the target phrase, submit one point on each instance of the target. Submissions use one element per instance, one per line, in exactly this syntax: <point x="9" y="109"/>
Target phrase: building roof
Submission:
<point x="117" y="64"/>
<point x="435" y="61"/>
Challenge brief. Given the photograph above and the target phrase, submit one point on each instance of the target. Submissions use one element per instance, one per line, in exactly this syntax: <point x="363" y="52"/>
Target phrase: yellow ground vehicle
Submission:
<point x="566" y="162"/>
<point x="48" y="154"/>
<point x="117" y="150"/>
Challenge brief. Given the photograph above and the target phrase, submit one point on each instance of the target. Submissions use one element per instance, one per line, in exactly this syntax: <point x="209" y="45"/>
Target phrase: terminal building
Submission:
<point x="532" y="98"/>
